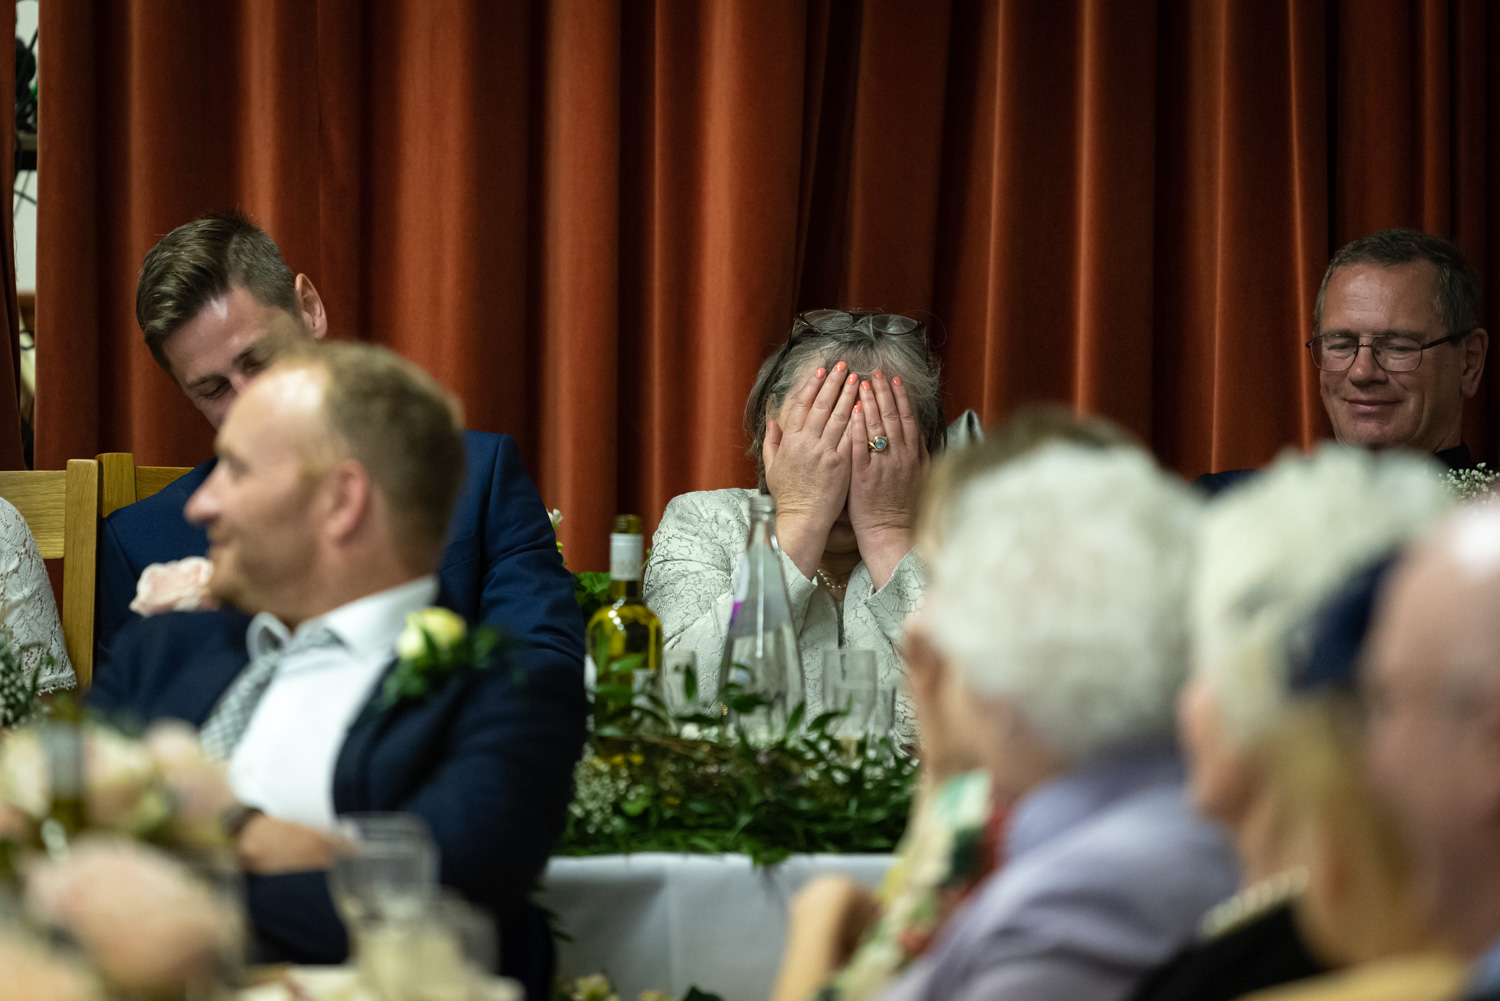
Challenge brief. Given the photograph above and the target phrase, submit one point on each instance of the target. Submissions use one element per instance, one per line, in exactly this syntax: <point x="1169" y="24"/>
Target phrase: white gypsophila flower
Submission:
<point x="1472" y="486"/>
<point x="597" y="787"/>
<point x="555" y="516"/>
<point x="17" y="683"/>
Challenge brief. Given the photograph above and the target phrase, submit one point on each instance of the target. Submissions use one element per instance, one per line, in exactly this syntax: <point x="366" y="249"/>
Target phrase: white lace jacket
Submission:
<point x="698" y="546"/>
<point x="28" y="612"/>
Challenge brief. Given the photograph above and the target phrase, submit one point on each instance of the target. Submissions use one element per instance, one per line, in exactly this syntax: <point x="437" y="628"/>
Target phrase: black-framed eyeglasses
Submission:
<point x="1392" y="352"/>
<point x="834" y="321"/>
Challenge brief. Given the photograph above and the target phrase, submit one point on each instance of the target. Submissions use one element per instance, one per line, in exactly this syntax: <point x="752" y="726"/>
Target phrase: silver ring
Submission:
<point x="878" y="443"/>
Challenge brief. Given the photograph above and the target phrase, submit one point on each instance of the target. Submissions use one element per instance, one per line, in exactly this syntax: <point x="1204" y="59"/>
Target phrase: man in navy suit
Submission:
<point x="1397" y="345"/>
<point x="216" y="303"/>
<point x="326" y="514"/>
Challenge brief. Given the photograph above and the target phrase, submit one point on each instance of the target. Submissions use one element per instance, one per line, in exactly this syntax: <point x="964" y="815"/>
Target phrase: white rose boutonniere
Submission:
<point x="436" y="645"/>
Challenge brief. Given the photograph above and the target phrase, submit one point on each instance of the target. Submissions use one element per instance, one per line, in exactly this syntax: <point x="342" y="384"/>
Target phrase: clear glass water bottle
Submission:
<point x="760" y="648"/>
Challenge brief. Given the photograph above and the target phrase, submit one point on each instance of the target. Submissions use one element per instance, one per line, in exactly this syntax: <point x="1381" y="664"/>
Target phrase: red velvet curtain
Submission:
<point x="593" y="218"/>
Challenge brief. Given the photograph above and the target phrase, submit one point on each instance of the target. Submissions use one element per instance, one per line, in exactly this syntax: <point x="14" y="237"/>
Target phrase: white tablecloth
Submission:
<point x="655" y="921"/>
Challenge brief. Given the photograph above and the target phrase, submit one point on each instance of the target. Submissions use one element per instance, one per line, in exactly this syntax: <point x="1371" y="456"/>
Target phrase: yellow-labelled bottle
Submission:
<point x="624" y="637"/>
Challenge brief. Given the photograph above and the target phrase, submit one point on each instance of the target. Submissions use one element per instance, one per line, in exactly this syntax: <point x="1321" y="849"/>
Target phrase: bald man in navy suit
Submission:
<point x="326" y="514"/>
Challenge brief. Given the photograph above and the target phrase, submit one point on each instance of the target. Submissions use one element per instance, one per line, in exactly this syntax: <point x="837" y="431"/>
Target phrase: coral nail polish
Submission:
<point x="879" y="374"/>
<point x="896" y="381"/>
<point x="839" y="367"/>
<point x="853" y="378"/>
<point x="820" y="373"/>
<point x="866" y="385"/>
<point x="856" y="408"/>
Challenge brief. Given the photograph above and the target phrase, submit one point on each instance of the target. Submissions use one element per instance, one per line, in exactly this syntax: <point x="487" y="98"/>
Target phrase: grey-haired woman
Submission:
<point x="842" y="421"/>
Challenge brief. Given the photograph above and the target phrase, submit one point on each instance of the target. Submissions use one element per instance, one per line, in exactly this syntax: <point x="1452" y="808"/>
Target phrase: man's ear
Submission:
<point x="1475" y="347"/>
<point x="348" y="495"/>
<point x="310" y="308"/>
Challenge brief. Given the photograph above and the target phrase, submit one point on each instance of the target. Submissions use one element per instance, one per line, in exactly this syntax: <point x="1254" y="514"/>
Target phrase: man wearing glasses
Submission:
<point x="1397" y="345"/>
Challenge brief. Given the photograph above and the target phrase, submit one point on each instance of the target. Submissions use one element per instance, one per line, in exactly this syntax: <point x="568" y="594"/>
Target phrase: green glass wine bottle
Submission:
<point x="624" y="637"/>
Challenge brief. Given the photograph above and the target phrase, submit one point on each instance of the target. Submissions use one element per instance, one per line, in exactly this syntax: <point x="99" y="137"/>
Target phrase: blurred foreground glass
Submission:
<point x="445" y="953"/>
<point x="851" y="687"/>
<point x="384" y="884"/>
<point x="388" y="868"/>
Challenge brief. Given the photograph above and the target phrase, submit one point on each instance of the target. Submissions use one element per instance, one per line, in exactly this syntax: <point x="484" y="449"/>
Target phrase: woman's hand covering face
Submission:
<point x="884" y="485"/>
<point x="807" y="451"/>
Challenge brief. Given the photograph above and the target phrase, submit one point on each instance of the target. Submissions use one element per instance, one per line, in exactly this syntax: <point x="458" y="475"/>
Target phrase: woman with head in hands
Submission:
<point x="842" y="421"/>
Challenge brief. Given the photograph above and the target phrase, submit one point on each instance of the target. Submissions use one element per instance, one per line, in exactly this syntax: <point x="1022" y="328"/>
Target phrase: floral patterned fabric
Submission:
<point x="951" y="844"/>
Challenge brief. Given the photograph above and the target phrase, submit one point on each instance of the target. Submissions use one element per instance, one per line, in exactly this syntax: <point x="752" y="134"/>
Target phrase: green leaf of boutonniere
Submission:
<point x="435" y="646"/>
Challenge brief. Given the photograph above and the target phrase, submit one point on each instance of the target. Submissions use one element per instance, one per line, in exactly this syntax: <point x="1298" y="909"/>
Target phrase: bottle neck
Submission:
<point x="626" y="562"/>
<point x="762" y="528"/>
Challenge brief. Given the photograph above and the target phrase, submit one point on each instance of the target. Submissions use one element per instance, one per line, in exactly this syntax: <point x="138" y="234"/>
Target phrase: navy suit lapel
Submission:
<point x="351" y="772"/>
<point x="195" y="690"/>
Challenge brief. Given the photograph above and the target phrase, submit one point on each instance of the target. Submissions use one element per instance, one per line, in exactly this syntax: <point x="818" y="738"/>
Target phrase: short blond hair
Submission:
<point x="399" y="423"/>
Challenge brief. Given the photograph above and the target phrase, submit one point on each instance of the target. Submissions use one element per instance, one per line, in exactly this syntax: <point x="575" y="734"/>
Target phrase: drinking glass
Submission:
<point x="447" y="953"/>
<point x="387" y="868"/>
<point x="850" y="686"/>
<point x="676" y="667"/>
<point x="883" y="714"/>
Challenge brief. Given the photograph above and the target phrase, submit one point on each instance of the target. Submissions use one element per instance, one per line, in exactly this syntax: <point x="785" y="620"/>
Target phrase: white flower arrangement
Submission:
<point x="160" y="788"/>
<point x="1473" y="486"/>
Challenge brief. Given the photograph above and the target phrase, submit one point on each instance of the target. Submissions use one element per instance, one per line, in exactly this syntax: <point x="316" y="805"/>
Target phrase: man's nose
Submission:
<point x="1365" y="367"/>
<point x="203" y="505"/>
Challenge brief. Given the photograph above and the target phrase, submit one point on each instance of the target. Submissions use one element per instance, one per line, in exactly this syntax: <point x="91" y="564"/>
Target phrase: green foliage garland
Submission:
<point x="644" y="786"/>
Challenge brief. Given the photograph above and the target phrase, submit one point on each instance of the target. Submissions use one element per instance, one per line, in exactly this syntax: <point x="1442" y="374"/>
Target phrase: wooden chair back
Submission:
<point x="123" y="482"/>
<point x="61" y="507"/>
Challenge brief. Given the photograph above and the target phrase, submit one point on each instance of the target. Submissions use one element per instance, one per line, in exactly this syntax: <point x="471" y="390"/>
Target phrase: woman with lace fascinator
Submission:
<point x="842" y="422"/>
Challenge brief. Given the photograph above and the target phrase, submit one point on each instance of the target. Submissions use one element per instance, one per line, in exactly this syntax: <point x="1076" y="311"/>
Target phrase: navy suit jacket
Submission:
<point x="500" y="564"/>
<point x="486" y="760"/>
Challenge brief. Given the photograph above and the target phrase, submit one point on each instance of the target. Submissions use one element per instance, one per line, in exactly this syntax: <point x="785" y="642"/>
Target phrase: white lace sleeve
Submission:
<point x="28" y="612"/>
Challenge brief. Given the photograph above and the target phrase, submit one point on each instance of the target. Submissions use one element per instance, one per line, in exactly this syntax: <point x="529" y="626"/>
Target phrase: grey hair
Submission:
<point x="1061" y="586"/>
<point x="864" y="351"/>
<point x="1458" y="284"/>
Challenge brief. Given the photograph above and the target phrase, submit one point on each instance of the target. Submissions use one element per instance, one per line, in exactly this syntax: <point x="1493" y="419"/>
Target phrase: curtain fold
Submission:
<point x="593" y="219"/>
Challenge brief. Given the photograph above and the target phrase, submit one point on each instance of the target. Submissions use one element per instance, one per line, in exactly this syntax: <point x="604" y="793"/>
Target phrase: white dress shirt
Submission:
<point x="284" y="763"/>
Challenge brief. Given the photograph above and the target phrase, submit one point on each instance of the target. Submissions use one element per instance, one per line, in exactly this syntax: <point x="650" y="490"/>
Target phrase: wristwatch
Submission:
<point x="236" y="817"/>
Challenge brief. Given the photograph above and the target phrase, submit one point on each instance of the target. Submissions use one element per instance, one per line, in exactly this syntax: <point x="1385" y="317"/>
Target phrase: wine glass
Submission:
<point x="850" y="686"/>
